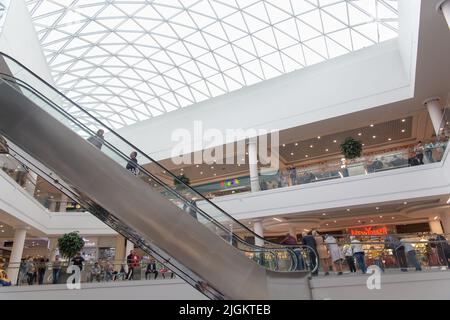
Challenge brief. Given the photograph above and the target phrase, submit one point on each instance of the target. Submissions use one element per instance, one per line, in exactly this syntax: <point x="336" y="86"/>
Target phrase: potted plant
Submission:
<point x="352" y="149"/>
<point x="69" y="245"/>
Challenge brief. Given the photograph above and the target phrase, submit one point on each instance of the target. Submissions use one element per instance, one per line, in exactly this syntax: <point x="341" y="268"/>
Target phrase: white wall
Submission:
<point x="128" y="290"/>
<point x="19" y="40"/>
<point x="361" y="80"/>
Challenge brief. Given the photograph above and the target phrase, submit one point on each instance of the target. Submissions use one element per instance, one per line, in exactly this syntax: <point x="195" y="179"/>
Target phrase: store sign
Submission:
<point x="369" y="231"/>
<point x="230" y="183"/>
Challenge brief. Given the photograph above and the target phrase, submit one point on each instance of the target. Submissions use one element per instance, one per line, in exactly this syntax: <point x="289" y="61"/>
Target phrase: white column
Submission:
<point x="292" y="232"/>
<point x="259" y="230"/>
<point x="30" y="185"/>
<point x="130" y="246"/>
<point x="52" y="206"/>
<point x="63" y="203"/>
<point x="444" y="7"/>
<point x="445" y="220"/>
<point x="53" y="248"/>
<point x="436" y="114"/>
<point x="16" y="254"/>
<point x="120" y="252"/>
<point x="435" y="226"/>
<point x="253" y="164"/>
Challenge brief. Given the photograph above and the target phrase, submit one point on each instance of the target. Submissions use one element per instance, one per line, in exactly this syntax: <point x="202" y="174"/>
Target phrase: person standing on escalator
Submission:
<point x="98" y="139"/>
<point x="132" y="164"/>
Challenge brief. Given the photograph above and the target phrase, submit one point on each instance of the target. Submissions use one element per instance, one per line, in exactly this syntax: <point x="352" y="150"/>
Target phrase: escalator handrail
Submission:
<point x="138" y="150"/>
<point x="278" y="247"/>
<point x="25" y="85"/>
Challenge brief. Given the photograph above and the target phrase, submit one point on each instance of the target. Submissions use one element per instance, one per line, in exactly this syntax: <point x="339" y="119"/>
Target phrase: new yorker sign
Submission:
<point x="369" y="231"/>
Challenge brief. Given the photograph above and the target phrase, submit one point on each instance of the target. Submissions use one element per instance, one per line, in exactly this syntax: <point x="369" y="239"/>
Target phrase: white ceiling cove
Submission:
<point x="128" y="61"/>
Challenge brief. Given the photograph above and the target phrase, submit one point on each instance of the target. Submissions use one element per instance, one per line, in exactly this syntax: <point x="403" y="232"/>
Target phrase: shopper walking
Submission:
<point x="56" y="269"/>
<point x="323" y="253"/>
<point x="348" y="253"/>
<point x="133" y="261"/>
<point x="358" y="253"/>
<point x="336" y="254"/>
<point x="309" y="241"/>
<point x="30" y="270"/>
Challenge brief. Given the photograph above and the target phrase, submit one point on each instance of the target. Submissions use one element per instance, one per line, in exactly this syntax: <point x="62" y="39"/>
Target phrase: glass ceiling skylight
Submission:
<point x="4" y="5"/>
<point x="128" y="61"/>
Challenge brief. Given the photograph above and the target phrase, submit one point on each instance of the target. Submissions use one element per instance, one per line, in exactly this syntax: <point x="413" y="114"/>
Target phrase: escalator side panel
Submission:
<point x="129" y="199"/>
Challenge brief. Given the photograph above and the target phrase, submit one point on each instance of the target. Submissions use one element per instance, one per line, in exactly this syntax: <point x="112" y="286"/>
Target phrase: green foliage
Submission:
<point x="351" y="148"/>
<point x="70" y="244"/>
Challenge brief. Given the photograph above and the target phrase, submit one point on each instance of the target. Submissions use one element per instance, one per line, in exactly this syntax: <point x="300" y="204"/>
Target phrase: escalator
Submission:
<point x="50" y="132"/>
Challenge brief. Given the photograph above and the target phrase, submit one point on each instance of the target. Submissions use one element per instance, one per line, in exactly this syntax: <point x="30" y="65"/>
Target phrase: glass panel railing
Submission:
<point x="389" y="254"/>
<point x="130" y="157"/>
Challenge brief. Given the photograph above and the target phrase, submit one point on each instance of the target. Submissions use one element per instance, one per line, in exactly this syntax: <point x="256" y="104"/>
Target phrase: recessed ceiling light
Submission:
<point x="324" y="214"/>
<point x="215" y="174"/>
<point x="371" y="125"/>
<point x="197" y="166"/>
<point x="381" y="217"/>
<point x="360" y="134"/>
<point x="326" y="150"/>
<point x="378" y="208"/>
<point x="243" y="159"/>
<point x="306" y="156"/>
<point x="3" y="231"/>
<point x="292" y="153"/>
<point x="212" y="168"/>
<point x="319" y="137"/>
<point x="284" y="145"/>
<point x="296" y="144"/>
<point x="435" y="218"/>
<point x="359" y="221"/>
<point x="246" y="153"/>
<point x="371" y="221"/>
<point x="311" y="146"/>
<point x="201" y="172"/>
<point x="327" y="224"/>
<point x="182" y="169"/>
<point x="403" y="131"/>
<point x="348" y="210"/>
<point x="374" y="137"/>
<point x="335" y="221"/>
<point x="393" y="218"/>
<point x="390" y="139"/>
<point x="335" y="141"/>
<point x="403" y="120"/>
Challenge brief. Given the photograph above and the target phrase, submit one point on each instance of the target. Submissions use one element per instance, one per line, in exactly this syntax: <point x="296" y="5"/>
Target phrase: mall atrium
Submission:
<point x="224" y="149"/>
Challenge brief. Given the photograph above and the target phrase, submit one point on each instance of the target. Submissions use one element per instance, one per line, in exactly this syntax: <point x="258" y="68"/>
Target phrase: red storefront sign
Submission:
<point x="369" y="231"/>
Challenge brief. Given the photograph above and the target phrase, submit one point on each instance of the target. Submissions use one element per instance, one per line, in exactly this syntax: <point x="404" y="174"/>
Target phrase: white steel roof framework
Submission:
<point x="128" y="61"/>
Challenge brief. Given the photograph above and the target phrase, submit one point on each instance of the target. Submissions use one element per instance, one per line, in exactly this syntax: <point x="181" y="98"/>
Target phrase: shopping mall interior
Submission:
<point x="224" y="150"/>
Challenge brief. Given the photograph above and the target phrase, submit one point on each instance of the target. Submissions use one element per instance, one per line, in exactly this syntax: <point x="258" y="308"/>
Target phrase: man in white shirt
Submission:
<point x="359" y="254"/>
<point x="411" y="255"/>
